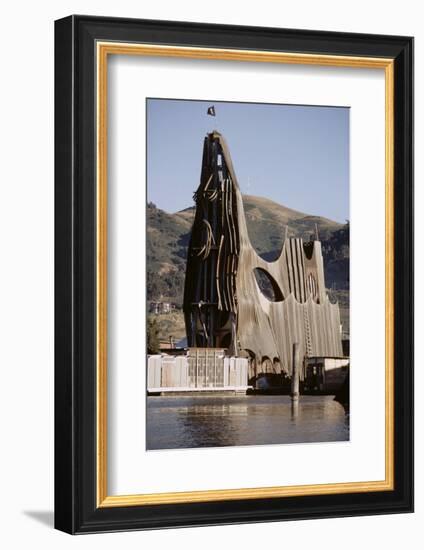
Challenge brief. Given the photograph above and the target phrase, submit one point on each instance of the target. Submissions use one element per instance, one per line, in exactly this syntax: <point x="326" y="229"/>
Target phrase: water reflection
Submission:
<point x="294" y="409"/>
<point x="211" y="421"/>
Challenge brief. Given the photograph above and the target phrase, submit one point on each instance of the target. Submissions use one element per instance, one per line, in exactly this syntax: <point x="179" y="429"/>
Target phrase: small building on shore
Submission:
<point x="161" y="308"/>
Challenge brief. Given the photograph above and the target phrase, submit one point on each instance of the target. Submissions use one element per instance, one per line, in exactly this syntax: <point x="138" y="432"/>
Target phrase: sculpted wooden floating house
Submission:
<point x="224" y="305"/>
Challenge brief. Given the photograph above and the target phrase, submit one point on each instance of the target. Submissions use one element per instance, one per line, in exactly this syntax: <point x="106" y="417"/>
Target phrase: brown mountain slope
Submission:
<point x="267" y="222"/>
<point x="168" y="236"/>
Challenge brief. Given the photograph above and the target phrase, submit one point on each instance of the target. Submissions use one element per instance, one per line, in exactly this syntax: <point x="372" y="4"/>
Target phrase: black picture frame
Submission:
<point x="76" y="509"/>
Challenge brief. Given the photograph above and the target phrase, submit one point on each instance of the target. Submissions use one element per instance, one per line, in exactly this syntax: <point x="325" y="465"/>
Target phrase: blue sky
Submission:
<point x="295" y="155"/>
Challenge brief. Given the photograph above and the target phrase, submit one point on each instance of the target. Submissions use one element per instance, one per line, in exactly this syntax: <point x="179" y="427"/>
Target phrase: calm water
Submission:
<point x="211" y="421"/>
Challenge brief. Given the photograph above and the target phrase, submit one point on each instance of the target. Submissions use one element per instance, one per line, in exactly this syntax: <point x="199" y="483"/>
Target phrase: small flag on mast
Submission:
<point x="211" y="110"/>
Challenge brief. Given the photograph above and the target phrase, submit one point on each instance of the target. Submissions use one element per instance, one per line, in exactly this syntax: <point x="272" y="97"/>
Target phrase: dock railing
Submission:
<point x="201" y="369"/>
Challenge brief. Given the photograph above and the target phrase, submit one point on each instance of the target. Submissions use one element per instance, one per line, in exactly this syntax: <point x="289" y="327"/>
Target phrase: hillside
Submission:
<point x="267" y="221"/>
<point x="166" y="250"/>
<point x="168" y="236"/>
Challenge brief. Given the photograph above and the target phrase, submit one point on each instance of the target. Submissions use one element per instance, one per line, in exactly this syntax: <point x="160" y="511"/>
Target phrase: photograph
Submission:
<point x="247" y="270"/>
<point x="233" y="234"/>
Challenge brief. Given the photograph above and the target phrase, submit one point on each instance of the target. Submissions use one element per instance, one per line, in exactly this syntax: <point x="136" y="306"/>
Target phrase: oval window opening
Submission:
<point x="268" y="285"/>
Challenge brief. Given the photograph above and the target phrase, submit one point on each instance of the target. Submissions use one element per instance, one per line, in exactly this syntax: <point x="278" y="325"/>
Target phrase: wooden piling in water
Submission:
<point x="295" y="373"/>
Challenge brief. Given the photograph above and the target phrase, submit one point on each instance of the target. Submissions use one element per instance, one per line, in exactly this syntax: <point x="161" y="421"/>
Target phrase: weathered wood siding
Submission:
<point x="199" y="369"/>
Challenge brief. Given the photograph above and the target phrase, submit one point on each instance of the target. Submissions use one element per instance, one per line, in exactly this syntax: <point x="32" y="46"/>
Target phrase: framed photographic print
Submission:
<point x="234" y="255"/>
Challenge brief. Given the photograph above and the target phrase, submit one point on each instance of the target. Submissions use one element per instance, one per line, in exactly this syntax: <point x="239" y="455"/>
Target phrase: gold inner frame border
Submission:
<point x="103" y="50"/>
